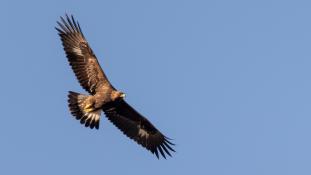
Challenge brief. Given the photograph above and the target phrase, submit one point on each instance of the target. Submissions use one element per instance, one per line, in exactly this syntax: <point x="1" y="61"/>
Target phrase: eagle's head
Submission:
<point x="115" y="95"/>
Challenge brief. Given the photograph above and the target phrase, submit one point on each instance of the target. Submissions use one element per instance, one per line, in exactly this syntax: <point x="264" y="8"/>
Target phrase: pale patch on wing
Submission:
<point x="143" y="133"/>
<point x="78" y="51"/>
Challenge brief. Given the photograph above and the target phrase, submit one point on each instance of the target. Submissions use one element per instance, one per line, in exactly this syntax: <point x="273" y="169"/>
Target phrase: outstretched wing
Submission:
<point x="80" y="55"/>
<point x="138" y="128"/>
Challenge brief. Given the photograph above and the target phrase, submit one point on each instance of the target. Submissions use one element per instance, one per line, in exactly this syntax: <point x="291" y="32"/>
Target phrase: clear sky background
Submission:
<point x="229" y="81"/>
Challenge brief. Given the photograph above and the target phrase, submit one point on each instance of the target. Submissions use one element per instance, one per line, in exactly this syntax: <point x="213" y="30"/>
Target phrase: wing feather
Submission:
<point x="80" y="55"/>
<point x="138" y="128"/>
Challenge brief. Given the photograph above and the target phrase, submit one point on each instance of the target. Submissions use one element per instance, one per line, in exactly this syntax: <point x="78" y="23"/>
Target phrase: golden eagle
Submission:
<point x="102" y="95"/>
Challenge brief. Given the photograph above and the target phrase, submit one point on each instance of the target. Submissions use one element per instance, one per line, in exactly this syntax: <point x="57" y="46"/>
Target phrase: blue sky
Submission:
<point x="229" y="81"/>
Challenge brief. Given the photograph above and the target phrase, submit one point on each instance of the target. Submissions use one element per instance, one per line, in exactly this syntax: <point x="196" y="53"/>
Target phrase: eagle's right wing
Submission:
<point x="80" y="55"/>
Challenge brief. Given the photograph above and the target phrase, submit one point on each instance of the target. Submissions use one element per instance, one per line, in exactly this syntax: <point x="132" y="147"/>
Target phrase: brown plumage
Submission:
<point x="103" y="96"/>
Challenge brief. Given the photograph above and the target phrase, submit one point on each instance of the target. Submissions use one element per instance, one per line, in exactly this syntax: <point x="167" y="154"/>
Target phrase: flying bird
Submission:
<point x="102" y="96"/>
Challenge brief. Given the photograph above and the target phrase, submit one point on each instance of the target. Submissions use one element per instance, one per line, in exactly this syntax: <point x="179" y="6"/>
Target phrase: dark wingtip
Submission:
<point x="68" y="24"/>
<point x="164" y="148"/>
<point x="168" y="146"/>
<point x="58" y="30"/>
<point x="161" y="151"/>
<point x="66" y="14"/>
<point x="167" y="140"/>
<point x="156" y="153"/>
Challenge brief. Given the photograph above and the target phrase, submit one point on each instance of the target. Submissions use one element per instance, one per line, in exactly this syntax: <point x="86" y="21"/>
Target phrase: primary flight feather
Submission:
<point x="102" y="95"/>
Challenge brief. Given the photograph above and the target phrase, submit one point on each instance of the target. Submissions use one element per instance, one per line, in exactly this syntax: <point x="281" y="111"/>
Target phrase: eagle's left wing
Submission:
<point x="138" y="128"/>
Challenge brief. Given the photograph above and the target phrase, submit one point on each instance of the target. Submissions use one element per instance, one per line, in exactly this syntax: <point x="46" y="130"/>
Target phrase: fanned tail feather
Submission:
<point x="76" y="103"/>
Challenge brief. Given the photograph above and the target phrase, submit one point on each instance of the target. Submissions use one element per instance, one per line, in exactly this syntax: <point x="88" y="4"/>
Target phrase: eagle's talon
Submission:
<point x="88" y="108"/>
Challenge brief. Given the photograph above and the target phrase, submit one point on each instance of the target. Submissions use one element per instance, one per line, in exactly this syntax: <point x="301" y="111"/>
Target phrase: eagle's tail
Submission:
<point x="79" y="107"/>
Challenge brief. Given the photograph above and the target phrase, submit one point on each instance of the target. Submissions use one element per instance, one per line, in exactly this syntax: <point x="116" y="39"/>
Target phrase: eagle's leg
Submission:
<point x="88" y="108"/>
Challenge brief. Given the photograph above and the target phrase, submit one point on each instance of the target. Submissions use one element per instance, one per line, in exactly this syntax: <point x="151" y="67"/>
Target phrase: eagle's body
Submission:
<point x="102" y="95"/>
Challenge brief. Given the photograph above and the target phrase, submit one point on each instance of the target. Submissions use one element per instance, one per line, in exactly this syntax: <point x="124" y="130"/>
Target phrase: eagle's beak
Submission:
<point x="122" y="95"/>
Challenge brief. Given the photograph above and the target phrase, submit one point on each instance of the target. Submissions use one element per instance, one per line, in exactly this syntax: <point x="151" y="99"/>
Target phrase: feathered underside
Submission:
<point x="93" y="79"/>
